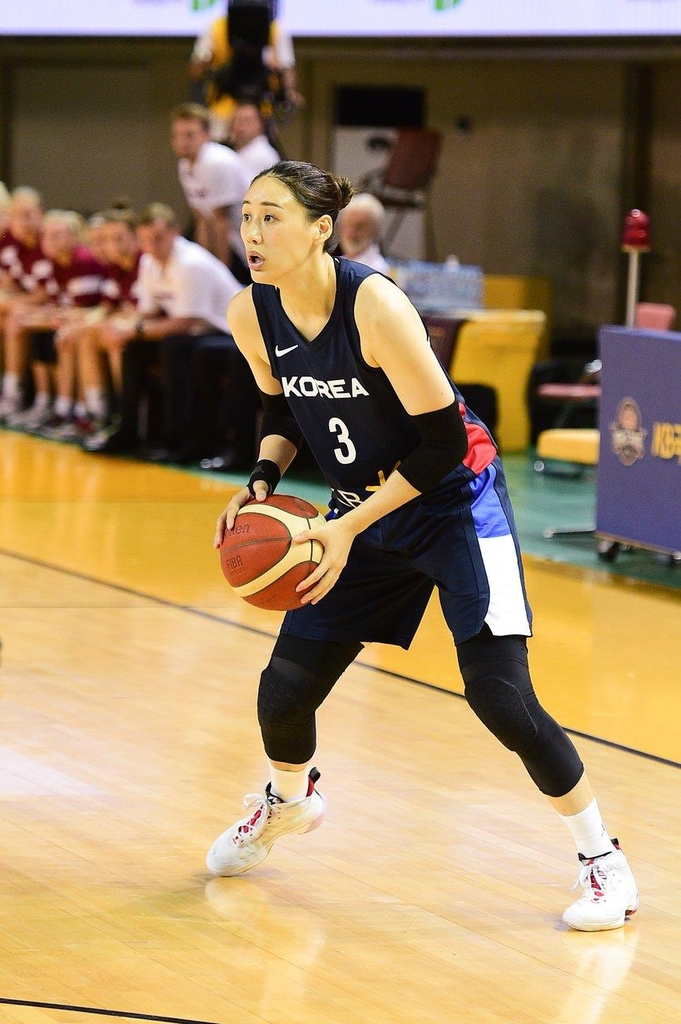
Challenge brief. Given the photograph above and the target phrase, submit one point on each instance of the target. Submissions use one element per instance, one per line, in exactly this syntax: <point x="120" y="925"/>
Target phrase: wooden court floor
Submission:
<point x="434" y="891"/>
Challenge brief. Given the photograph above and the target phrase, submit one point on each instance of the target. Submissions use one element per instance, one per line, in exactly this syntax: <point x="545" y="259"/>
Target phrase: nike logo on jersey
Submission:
<point x="308" y="387"/>
<point x="284" y="351"/>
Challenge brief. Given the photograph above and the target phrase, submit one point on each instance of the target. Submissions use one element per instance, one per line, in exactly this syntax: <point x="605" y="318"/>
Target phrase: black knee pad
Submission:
<point x="498" y="687"/>
<point x="499" y="705"/>
<point x="300" y="675"/>
<point x="499" y="690"/>
<point x="285" y="704"/>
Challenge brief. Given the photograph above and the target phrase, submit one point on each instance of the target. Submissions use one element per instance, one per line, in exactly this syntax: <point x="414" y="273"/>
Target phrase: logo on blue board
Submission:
<point x="627" y="432"/>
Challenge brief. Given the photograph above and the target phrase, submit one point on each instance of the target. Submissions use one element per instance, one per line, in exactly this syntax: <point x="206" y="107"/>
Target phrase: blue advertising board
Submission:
<point x="639" y="467"/>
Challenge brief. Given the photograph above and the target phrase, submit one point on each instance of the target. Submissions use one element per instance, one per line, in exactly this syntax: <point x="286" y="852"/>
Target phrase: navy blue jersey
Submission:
<point x="351" y="417"/>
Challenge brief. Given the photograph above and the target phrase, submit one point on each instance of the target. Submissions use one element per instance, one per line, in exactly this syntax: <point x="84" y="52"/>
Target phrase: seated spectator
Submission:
<point x="94" y="237"/>
<point x="183" y="293"/>
<point x="23" y="266"/>
<point x="23" y="269"/>
<point x="4" y="208"/>
<point x="99" y="345"/>
<point x="214" y="181"/>
<point x="359" y="228"/>
<point x="72" y="289"/>
<point x="248" y="138"/>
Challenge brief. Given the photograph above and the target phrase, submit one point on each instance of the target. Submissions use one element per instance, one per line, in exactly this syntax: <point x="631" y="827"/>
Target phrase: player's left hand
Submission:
<point x="336" y="538"/>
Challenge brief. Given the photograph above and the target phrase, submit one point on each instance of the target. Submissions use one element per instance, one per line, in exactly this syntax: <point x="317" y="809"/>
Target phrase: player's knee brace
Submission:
<point x="498" y="687"/>
<point x="499" y="705"/>
<point x="300" y="675"/>
<point x="286" y="713"/>
<point x="499" y="690"/>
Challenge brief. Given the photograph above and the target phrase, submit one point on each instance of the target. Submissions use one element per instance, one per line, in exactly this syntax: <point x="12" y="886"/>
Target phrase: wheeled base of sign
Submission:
<point x="609" y="547"/>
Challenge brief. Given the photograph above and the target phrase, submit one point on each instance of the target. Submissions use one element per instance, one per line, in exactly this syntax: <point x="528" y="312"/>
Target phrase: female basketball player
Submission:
<point x="418" y="499"/>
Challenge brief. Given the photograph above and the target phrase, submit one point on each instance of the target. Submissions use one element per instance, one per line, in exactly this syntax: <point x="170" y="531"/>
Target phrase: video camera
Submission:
<point x="245" y="77"/>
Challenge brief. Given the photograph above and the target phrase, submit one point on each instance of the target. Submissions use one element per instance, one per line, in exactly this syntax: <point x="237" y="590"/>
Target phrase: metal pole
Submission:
<point x="632" y="288"/>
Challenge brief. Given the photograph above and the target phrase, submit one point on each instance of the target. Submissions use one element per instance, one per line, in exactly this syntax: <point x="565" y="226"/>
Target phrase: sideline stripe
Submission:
<point x="103" y="1013"/>
<point x="262" y="632"/>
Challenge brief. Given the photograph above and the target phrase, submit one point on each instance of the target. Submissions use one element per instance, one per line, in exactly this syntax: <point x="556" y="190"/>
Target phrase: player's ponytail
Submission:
<point x="320" y="192"/>
<point x="346" y="191"/>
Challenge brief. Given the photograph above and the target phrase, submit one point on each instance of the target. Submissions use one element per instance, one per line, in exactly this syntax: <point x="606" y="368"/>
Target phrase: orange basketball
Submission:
<point x="258" y="558"/>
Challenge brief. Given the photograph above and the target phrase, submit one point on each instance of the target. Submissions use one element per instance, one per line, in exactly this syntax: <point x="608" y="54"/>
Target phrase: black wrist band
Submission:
<point x="267" y="471"/>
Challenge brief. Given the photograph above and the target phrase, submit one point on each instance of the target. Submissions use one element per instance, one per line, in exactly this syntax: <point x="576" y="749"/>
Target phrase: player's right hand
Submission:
<point x="226" y="518"/>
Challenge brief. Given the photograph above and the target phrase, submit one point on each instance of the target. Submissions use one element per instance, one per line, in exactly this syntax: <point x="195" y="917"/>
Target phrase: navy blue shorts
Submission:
<point x="460" y="538"/>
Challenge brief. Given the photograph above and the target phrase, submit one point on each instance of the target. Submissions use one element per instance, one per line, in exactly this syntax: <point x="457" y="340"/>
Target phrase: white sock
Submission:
<point x="79" y="410"/>
<point x="289" y="785"/>
<point x="588" y="831"/>
<point x="62" y="405"/>
<point x="11" y="386"/>
<point x="95" y="400"/>
<point x="42" y="400"/>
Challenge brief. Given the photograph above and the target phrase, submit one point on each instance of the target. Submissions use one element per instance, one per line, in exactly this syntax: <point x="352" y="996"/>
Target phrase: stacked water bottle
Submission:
<point x="439" y="287"/>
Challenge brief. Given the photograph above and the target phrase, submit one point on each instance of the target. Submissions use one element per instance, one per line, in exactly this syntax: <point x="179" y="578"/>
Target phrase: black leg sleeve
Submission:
<point x="500" y="692"/>
<point x="299" y="677"/>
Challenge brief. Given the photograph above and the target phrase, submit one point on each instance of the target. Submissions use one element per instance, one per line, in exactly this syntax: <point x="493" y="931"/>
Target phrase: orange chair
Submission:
<point x="498" y="348"/>
<point x="404" y="182"/>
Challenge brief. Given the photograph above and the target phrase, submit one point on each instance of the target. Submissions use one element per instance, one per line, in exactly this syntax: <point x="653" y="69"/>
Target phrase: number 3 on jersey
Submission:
<point x="346" y="452"/>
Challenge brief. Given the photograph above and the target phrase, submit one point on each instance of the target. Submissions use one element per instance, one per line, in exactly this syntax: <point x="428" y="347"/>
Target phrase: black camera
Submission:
<point x="245" y="77"/>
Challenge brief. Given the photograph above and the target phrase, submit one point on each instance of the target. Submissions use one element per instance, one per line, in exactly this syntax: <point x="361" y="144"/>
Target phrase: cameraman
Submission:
<point x="230" y="68"/>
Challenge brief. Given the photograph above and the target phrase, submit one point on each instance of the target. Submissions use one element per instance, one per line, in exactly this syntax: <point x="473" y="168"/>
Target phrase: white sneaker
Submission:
<point x="610" y="894"/>
<point x="31" y="419"/>
<point x="73" y="430"/>
<point x="9" y="407"/>
<point x="249" y="841"/>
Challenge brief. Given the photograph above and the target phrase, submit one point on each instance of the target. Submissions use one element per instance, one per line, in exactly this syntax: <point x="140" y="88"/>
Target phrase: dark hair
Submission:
<point x="120" y="215"/>
<point x="319" y="192"/>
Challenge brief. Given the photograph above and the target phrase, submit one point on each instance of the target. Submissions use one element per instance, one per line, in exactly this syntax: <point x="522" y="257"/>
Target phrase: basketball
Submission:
<point x="258" y="558"/>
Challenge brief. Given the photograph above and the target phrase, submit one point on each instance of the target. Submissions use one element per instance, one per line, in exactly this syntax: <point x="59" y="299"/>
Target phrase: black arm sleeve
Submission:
<point x="279" y="419"/>
<point x="444" y="444"/>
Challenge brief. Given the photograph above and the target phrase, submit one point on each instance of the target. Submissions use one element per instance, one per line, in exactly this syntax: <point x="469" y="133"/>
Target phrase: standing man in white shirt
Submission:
<point x="247" y="138"/>
<point x="214" y="180"/>
<point x="183" y="294"/>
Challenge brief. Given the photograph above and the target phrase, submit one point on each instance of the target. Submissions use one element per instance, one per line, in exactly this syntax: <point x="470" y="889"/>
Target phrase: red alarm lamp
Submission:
<point x="636" y="234"/>
<point x="635" y="240"/>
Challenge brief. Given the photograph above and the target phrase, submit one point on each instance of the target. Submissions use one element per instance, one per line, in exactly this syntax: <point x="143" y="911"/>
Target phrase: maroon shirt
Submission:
<point x="26" y="265"/>
<point x="79" y="284"/>
<point x="120" y="286"/>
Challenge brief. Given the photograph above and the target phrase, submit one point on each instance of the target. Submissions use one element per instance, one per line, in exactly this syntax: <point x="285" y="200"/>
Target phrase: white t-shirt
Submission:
<point x="258" y="155"/>
<point x="192" y="283"/>
<point x="372" y="257"/>
<point x="217" y="178"/>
